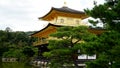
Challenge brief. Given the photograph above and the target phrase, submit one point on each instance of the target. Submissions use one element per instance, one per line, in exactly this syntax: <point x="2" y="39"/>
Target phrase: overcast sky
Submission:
<point x="22" y="15"/>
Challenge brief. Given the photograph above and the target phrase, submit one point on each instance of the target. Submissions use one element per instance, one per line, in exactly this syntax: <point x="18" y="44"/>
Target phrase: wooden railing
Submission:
<point x="41" y="41"/>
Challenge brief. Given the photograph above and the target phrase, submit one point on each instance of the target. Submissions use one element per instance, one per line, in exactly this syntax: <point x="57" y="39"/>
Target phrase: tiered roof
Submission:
<point x="64" y="11"/>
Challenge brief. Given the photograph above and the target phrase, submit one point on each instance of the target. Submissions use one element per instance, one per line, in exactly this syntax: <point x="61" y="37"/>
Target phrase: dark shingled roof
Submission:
<point x="66" y="9"/>
<point x="63" y="9"/>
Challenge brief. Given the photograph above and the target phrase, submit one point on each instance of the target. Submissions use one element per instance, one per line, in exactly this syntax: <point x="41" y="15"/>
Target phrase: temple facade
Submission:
<point x="58" y="17"/>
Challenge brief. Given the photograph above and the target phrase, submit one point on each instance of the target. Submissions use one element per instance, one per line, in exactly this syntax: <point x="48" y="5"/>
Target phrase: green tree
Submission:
<point x="12" y="44"/>
<point x="8" y="29"/>
<point x="3" y="43"/>
<point x="108" y="13"/>
<point x="64" y="49"/>
<point x="107" y="48"/>
<point x="13" y="53"/>
<point x="28" y="51"/>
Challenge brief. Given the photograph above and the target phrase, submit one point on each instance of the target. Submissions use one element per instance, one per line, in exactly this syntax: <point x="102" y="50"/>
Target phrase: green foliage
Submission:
<point x="93" y="22"/>
<point x="97" y="64"/>
<point x="64" y="50"/>
<point x="107" y="45"/>
<point x="12" y="44"/>
<point x="13" y="53"/>
<point x="28" y="52"/>
<point x="107" y="13"/>
<point x="107" y="49"/>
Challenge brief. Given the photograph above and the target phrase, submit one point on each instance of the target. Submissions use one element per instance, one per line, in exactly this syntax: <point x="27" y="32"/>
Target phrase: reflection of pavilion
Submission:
<point x="58" y="17"/>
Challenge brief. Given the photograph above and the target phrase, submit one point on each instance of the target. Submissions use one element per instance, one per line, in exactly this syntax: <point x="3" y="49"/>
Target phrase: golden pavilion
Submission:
<point x="58" y="17"/>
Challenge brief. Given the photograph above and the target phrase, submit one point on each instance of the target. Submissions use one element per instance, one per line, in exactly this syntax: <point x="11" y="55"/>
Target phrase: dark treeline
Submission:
<point x="16" y="44"/>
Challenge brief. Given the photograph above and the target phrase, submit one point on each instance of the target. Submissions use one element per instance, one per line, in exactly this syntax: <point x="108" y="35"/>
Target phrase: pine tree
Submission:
<point x="65" y="45"/>
<point x="108" y="44"/>
<point x="108" y="13"/>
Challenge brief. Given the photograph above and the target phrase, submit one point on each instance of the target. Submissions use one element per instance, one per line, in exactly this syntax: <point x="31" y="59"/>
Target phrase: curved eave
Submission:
<point x="45" y="31"/>
<point x="43" y="17"/>
<point x="55" y="12"/>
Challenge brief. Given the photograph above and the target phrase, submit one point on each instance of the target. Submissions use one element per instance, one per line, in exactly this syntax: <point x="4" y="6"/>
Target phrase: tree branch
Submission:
<point x="77" y="41"/>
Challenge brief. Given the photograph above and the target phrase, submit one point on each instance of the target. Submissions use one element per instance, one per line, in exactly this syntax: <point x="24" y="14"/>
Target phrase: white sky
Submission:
<point x="22" y="15"/>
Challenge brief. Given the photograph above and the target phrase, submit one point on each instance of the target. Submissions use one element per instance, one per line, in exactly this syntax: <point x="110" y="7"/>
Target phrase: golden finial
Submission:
<point x="95" y="2"/>
<point x="65" y="3"/>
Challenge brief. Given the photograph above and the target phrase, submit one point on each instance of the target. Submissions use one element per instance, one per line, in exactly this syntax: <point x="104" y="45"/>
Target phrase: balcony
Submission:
<point x="41" y="41"/>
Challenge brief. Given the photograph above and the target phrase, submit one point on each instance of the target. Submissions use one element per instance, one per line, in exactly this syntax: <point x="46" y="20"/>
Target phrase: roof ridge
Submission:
<point x="67" y="9"/>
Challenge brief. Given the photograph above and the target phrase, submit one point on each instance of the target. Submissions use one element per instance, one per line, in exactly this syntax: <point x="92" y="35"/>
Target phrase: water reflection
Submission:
<point x="15" y="65"/>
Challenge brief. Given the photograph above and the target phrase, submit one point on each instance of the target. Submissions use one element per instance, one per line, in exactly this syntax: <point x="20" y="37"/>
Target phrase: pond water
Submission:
<point x="15" y="65"/>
